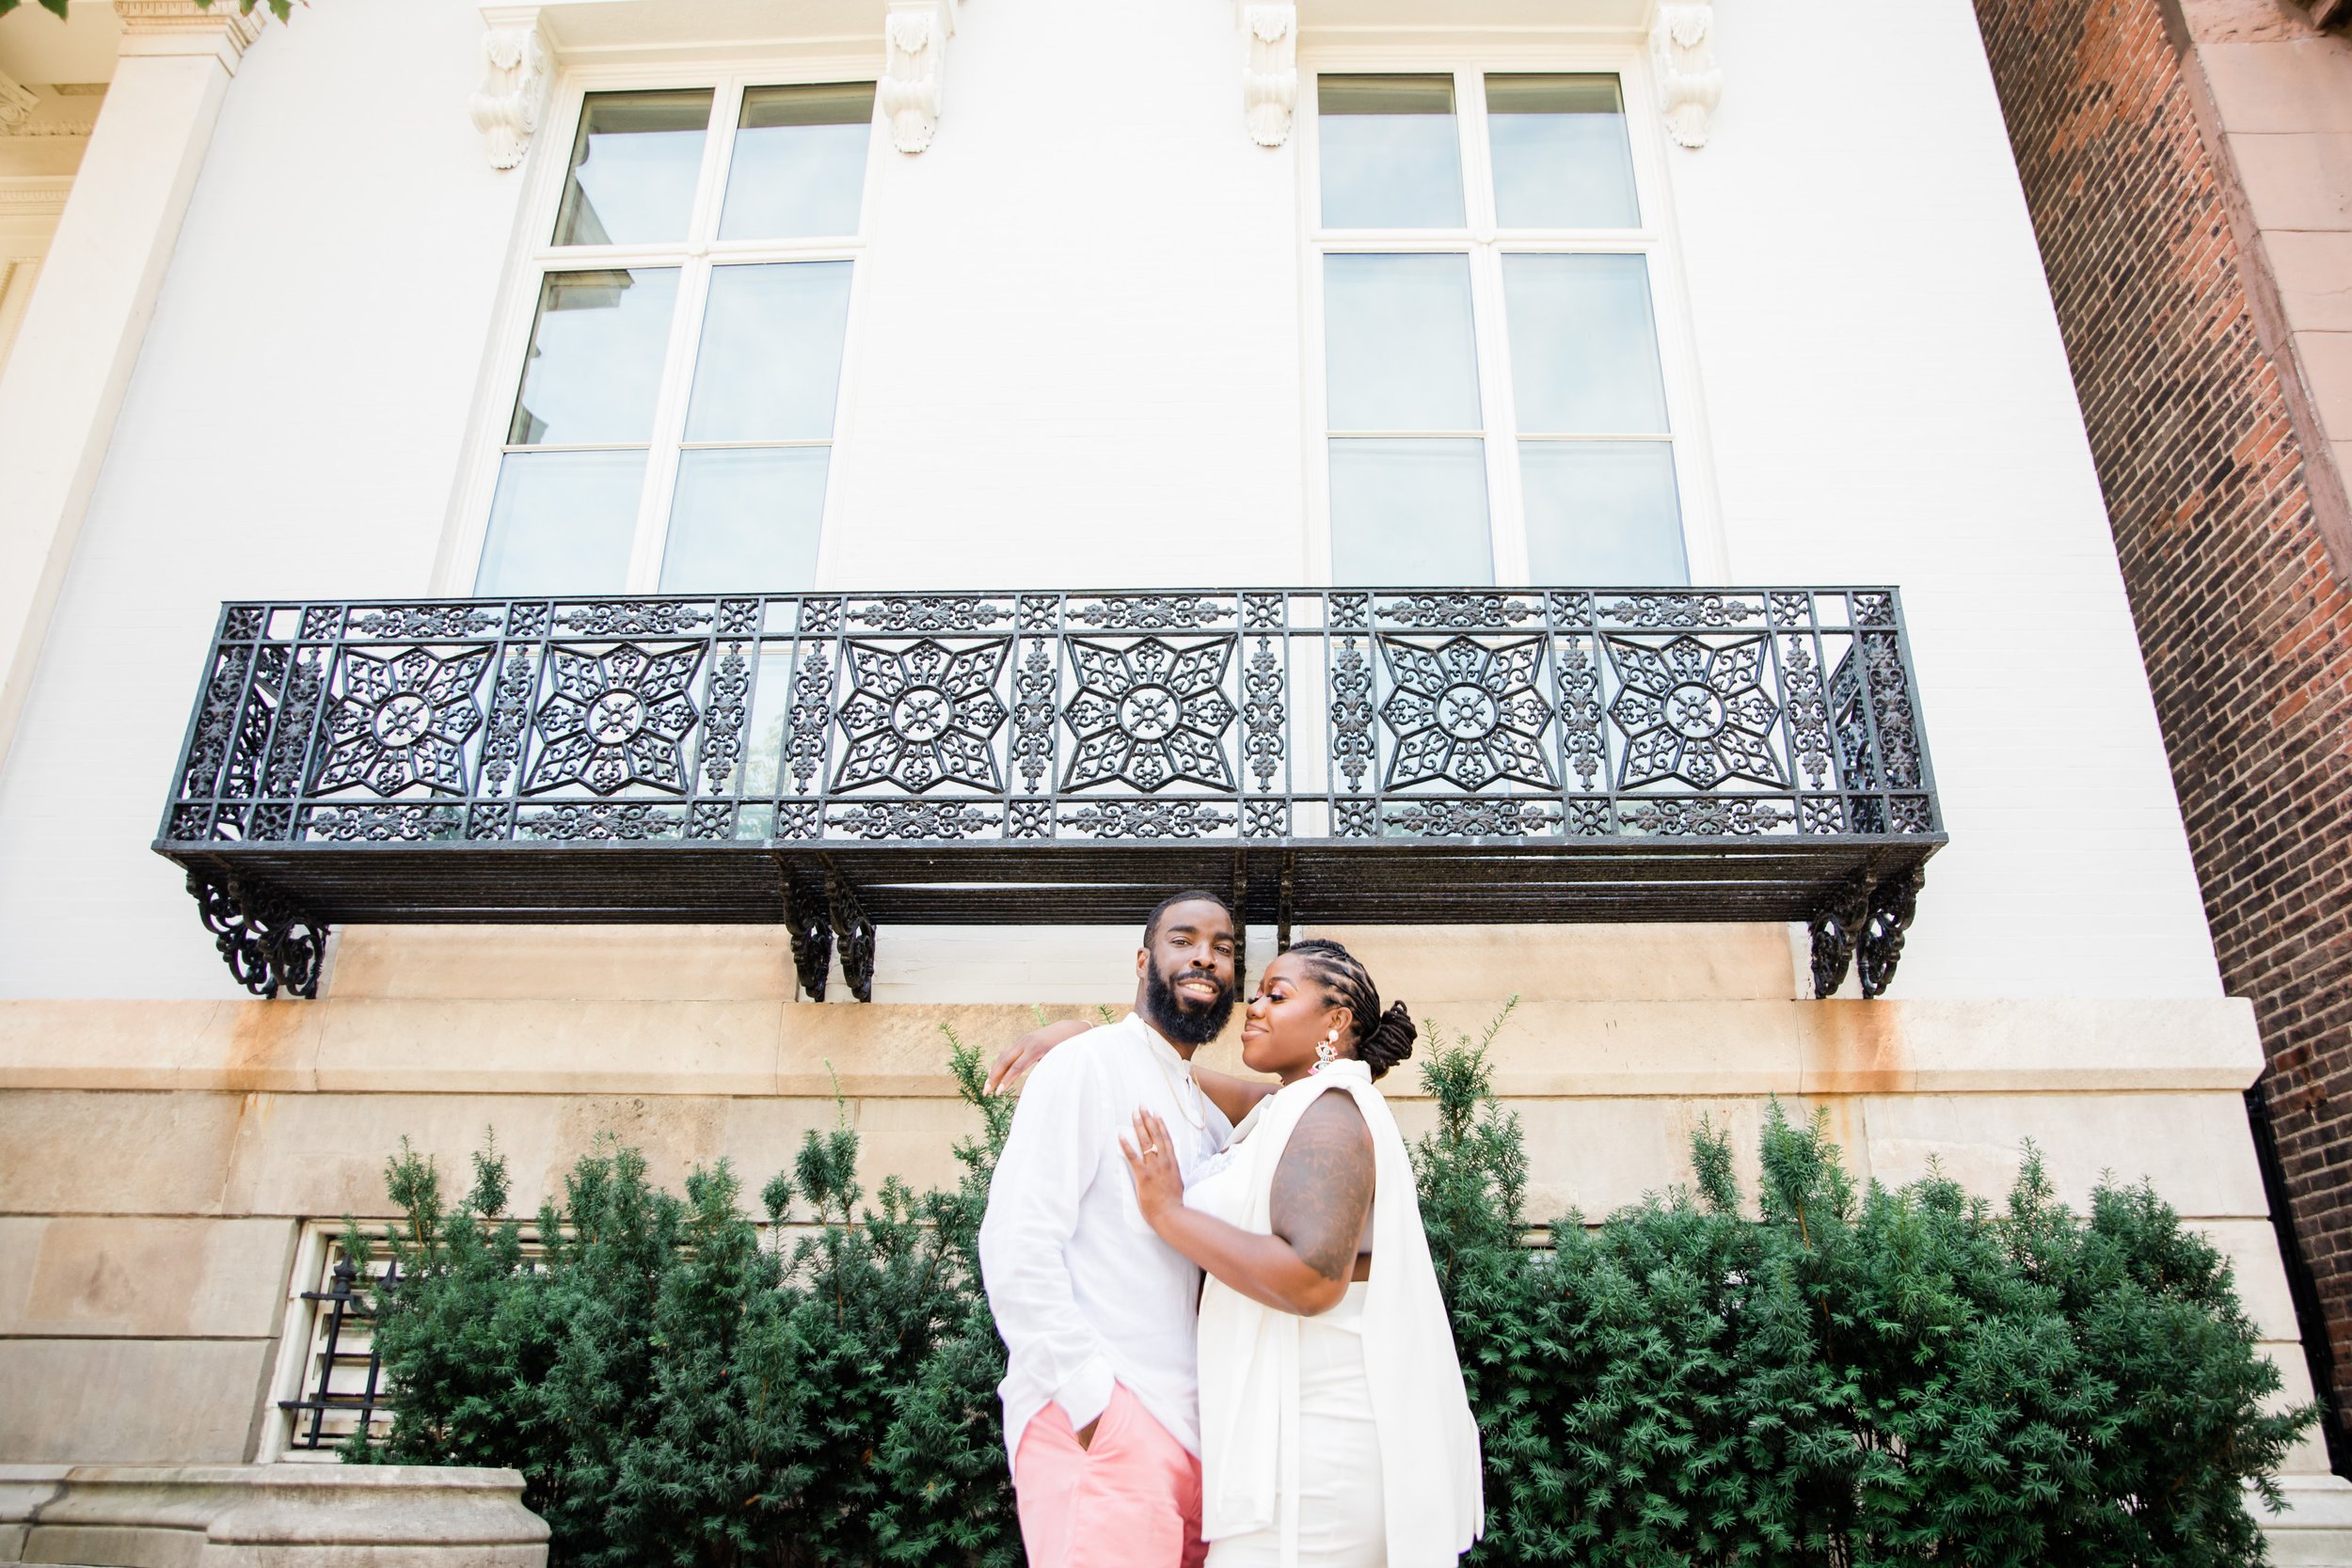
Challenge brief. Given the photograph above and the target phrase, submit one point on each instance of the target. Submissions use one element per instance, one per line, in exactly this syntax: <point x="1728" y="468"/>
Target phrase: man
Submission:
<point x="1101" y="1397"/>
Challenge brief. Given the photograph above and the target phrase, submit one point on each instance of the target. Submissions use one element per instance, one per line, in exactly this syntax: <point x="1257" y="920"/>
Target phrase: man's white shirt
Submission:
<point x="1084" y="1292"/>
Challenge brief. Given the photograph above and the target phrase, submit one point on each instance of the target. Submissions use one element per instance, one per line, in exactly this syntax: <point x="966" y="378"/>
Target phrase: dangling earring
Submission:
<point x="1324" y="1054"/>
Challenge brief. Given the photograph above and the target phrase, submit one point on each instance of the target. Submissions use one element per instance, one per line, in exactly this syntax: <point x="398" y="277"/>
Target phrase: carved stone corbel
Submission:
<point x="17" y="103"/>
<point x="517" y="72"/>
<point x="1269" y="80"/>
<point x="914" y="67"/>
<point x="1682" y="58"/>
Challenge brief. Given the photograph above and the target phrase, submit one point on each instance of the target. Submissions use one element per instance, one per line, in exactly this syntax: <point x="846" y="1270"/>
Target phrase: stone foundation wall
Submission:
<point x="162" y="1159"/>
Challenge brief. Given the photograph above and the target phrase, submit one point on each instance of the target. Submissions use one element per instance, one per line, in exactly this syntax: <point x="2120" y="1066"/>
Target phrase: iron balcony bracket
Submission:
<point x="810" y="927"/>
<point x="820" y="917"/>
<point x="268" y="943"/>
<point x="1865" y="921"/>
<point x="854" y="933"/>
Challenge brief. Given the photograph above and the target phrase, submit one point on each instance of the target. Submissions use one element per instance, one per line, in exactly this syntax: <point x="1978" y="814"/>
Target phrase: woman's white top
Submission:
<point x="1430" y="1469"/>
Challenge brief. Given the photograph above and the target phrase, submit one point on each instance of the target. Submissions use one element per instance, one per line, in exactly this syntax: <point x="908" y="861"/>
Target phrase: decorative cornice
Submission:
<point x="1682" y="57"/>
<point x="914" y="41"/>
<point x="33" y="196"/>
<point x="184" y="27"/>
<point x="1269" y="79"/>
<point x="518" y="63"/>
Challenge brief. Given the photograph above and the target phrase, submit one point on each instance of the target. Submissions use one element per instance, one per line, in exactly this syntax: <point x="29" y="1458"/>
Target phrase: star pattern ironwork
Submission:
<point x="616" y="719"/>
<point x="1466" y="713"/>
<point x="1149" y="713"/>
<point x="922" y="715"/>
<point x="1694" y="710"/>
<point x="402" y="719"/>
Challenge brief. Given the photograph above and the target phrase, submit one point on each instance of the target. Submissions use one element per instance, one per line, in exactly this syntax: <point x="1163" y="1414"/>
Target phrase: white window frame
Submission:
<point x="533" y="256"/>
<point x="1656" y="240"/>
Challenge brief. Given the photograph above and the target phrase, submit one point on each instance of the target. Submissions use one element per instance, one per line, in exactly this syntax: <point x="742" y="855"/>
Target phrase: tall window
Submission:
<point x="1496" y="409"/>
<point x="673" y="420"/>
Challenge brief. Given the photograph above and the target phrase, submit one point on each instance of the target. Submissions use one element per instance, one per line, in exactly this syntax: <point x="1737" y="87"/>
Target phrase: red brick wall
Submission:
<point x="2244" y="618"/>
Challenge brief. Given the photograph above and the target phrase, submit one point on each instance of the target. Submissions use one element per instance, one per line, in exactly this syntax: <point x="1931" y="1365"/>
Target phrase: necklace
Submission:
<point x="1199" y="1121"/>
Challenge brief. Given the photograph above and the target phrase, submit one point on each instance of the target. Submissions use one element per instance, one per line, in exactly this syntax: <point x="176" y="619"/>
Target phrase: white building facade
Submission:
<point x="862" y="301"/>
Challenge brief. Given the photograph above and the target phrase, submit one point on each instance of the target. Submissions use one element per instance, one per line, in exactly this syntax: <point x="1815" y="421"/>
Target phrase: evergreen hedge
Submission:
<point x="1850" y="1377"/>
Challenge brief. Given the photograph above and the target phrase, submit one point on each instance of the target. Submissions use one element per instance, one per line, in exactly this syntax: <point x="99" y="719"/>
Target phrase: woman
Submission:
<point x="1335" y="1433"/>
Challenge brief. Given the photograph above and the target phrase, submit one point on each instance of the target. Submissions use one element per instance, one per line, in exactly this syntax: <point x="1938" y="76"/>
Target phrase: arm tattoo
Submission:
<point x="1323" y="1185"/>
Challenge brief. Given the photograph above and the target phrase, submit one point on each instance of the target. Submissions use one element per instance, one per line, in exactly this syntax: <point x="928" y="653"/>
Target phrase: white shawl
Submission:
<point x="1430" y="1472"/>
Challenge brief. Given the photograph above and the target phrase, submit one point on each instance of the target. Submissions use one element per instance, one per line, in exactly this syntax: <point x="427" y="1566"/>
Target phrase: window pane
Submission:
<point x="745" y="520"/>
<point x="633" y="169"/>
<point x="1583" y="352"/>
<point x="1390" y="155"/>
<point x="770" y="362"/>
<point x="1398" y="352"/>
<point x="1602" y="512"/>
<point x="1561" y="160"/>
<point x="595" y="365"/>
<point x="800" y="162"/>
<point x="563" y="523"/>
<point x="1410" y="514"/>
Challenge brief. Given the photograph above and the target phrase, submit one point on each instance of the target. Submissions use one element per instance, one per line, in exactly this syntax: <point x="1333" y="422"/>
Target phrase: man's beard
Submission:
<point x="1180" y="1018"/>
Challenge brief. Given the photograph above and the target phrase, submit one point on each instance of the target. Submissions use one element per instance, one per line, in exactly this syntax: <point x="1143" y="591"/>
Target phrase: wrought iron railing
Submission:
<point x="834" y="760"/>
<point x="342" y="1383"/>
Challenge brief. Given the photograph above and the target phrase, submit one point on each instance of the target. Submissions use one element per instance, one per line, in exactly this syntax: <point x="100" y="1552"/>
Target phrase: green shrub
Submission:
<point x="676" y="1390"/>
<point x="1850" y="1377"/>
<point x="1853" y="1377"/>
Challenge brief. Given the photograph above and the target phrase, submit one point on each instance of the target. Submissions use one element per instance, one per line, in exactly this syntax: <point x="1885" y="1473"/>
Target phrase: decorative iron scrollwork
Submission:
<point x="376" y="760"/>
<point x="1863" y="926"/>
<point x="1893" y="902"/>
<point x="854" y="934"/>
<point x="808" y="922"/>
<point x="1466" y="713"/>
<point x="268" y="943"/>
<point x="1836" y="926"/>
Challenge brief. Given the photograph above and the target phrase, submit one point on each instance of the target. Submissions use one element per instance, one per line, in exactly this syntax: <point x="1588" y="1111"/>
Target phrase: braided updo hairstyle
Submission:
<point x="1382" y="1039"/>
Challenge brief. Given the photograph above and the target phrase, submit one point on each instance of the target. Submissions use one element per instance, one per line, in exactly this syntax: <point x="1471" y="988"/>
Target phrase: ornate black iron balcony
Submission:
<point x="834" y="760"/>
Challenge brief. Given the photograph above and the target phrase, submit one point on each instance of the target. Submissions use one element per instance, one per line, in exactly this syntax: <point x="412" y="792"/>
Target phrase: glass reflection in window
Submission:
<point x="799" y="167"/>
<point x="635" y="167"/>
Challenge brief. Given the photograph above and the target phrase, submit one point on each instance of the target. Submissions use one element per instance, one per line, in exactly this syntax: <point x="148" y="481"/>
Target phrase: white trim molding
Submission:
<point x="1269" y="80"/>
<point x="184" y="27"/>
<point x="914" y="39"/>
<point x="517" y="73"/>
<point x="1682" y="58"/>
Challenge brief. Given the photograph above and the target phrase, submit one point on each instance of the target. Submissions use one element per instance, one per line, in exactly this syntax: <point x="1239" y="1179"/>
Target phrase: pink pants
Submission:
<point x="1129" y="1499"/>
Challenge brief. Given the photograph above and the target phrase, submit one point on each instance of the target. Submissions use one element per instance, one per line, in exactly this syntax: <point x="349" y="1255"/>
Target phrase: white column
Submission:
<point x="64" y="381"/>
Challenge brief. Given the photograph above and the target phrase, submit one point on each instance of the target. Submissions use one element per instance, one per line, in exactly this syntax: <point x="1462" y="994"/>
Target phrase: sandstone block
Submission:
<point x="2195" y="1148"/>
<point x="142" y="1277"/>
<point x="129" y="1401"/>
<point x="281" y="1515"/>
<point x="76" y="1153"/>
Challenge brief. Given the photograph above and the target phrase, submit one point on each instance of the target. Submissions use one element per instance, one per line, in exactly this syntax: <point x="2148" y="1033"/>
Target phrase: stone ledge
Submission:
<point x="2316" y="1531"/>
<point x="271" y="1516"/>
<point x="739" y="1048"/>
